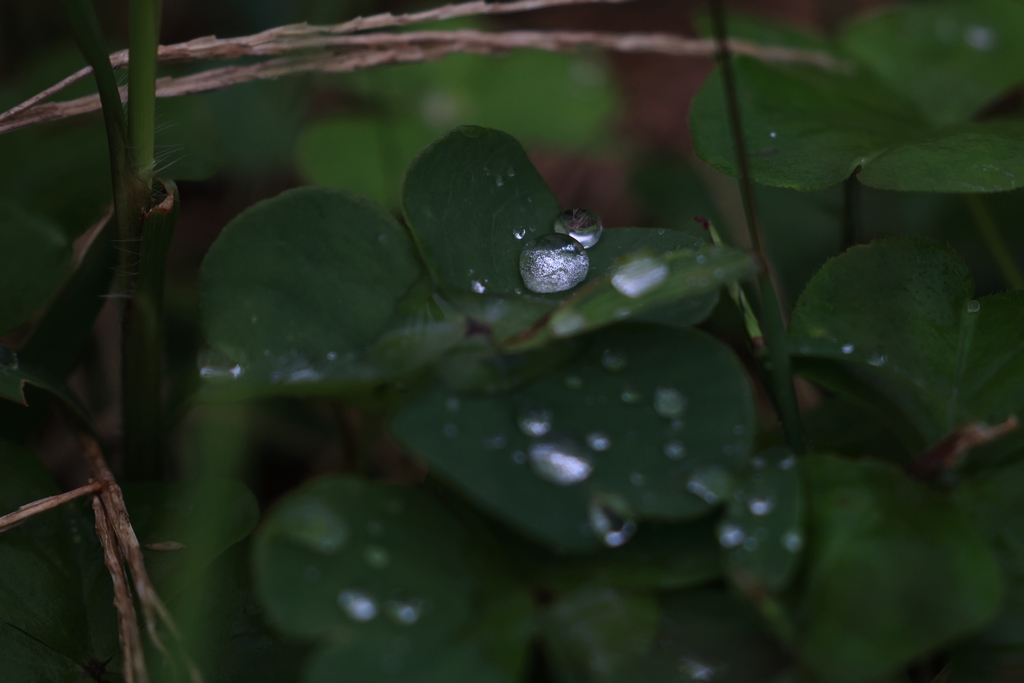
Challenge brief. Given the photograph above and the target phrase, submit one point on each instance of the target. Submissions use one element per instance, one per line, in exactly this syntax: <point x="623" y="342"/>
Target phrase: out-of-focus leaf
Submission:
<point x="879" y="543"/>
<point x="35" y="255"/>
<point x="674" y="410"/>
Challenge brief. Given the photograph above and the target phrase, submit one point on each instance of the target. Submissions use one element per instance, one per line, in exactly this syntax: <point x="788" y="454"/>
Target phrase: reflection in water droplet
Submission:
<point x="559" y="460"/>
<point x="792" y="541"/>
<point x="847" y="349"/>
<point x="553" y="263"/>
<point x="675" y="450"/>
<point x="477" y="286"/>
<point x="973" y="306"/>
<point x="637" y="277"/>
<point x="451" y="430"/>
<point x="669" y="403"/>
<point x="582" y="225"/>
<point x="8" y="357"/>
<point x="610" y="520"/>
<point x="519" y="233"/>
<point x="693" y="670"/>
<point x="404" y="612"/>
<point x="760" y="505"/>
<point x="613" y="360"/>
<point x="630" y="395"/>
<point x="316" y="526"/>
<point x="376" y="557"/>
<point x="730" y="535"/>
<point x="711" y="484"/>
<point x="357" y="605"/>
<point x="598" y="441"/>
<point x="535" y="420"/>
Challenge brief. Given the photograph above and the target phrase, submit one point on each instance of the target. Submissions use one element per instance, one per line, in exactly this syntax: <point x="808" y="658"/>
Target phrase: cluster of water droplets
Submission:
<point x="361" y="606"/>
<point x="558" y="261"/>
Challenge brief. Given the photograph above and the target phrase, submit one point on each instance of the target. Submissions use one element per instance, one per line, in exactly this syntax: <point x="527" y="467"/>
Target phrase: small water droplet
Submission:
<point x="451" y="430"/>
<point x="675" y="450"/>
<point x="518" y="457"/>
<point x="636" y="479"/>
<point x="376" y="557"/>
<point x="404" y="612"/>
<point x="792" y="541"/>
<point x="669" y="403"/>
<point x="610" y="520"/>
<point x="973" y="306"/>
<point x="760" y="505"/>
<point x="598" y="441"/>
<point x="358" y="605"/>
<point x="613" y="360"/>
<point x="316" y="526"/>
<point x="495" y="443"/>
<point x="573" y="382"/>
<point x="877" y="359"/>
<point x="730" y="535"/>
<point x="693" y="670"/>
<point x="636" y="277"/>
<point x="477" y="286"/>
<point x="553" y="263"/>
<point x="711" y="484"/>
<point x="582" y="225"/>
<point x="510" y="172"/>
<point x="498" y="180"/>
<point x="519" y="233"/>
<point x="534" y="420"/>
<point x="847" y="349"/>
<point x="630" y="395"/>
<point x="980" y="38"/>
<point x="560" y="460"/>
<point x="332" y="356"/>
<point x="375" y="528"/>
<point x="787" y="463"/>
<point x="701" y="258"/>
<point x="773" y="134"/>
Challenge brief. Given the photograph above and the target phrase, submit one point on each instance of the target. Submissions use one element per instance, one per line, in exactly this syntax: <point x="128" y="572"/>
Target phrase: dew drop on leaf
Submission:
<point x="730" y="535"/>
<point x="560" y="460"/>
<point x="213" y="364"/>
<point x="792" y="541"/>
<point x="582" y="225"/>
<point x="404" y="612"/>
<point x="598" y="441"/>
<point x="711" y="484"/>
<point x="477" y="286"/>
<point x="358" y="605"/>
<point x="535" y="420"/>
<point x="639" y="276"/>
<point x="973" y="306"/>
<point x="675" y="450"/>
<point x="610" y="520"/>
<point x="451" y="430"/>
<point x="669" y="403"/>
<point x="613" y="360"/>
<point x="847" y="349"/>
<point x="553" y="263"/>
<point x="316" y="526"/>
<point x="573" y="382"/>
<point x="519" y="233"/>
<point x="760" y="505"/>
<point x="693" y="670"/>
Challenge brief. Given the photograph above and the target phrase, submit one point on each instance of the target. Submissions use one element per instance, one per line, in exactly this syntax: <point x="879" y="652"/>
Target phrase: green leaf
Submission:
<point x="14" y="375"/>
<point x="895" y="320"/>
<point x="879" y="543"/>
<point x="297" y="288"/>
<point x="949" y="58"/>
<point x="35" y="255"/>
<point x="379" y="574"/>
<point x="762" y="530"/>
<point x="475" y="442"/>
<point x="465" y="196"/>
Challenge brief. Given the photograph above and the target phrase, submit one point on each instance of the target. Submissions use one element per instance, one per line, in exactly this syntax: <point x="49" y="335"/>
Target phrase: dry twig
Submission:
<point x="9" y="521"/>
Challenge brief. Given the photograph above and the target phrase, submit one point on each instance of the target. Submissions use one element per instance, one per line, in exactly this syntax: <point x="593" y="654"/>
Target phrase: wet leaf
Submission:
<point x="895" y="320"/>
<point x="879" y="543"/>
<point x="667" y="415"/>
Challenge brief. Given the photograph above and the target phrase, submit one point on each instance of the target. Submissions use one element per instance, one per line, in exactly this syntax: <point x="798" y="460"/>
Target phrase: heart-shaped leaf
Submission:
<point x="895" y="320"/>
<point x="647" y="422"/>
<point x="879" y="543"/>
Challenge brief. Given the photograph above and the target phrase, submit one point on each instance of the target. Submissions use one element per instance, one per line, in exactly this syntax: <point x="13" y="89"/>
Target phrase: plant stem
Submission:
<point x="997" y="247"/>
<point x="142" y="49"/>
<point x="780" y="373"/>
<point x="851" y="212"/>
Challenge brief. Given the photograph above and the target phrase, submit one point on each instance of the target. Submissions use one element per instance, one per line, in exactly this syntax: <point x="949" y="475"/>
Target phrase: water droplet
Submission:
<point x="582" y="225"/>
<point x="675" y="450"/>
<point x="669" y="403"/>
<point x="701" y="258"/>
<point x="773" y="134"/>
<point x="847" y="349"/>
<point x="314" y="525"/>
<point x="693" y="670"/>
<point x="518" y="457"/>
<point x="495" y="443"/>
<point x="376" y="557"/>
<point x="451" y="430"/>
<point x="981" y="38"/>
<point x="510" y="172"/>
<point x="760" y="505"/>
<point x="519" y="233"/>
<point x="553" y="263"/>
<point x="452" y="404"/>
<point x="877" y="359"/>
<point x="636" y="479"/>
<point x="404" y="612"/>
<point x="630" y="395"/>
<point x="534" y="420"/>
<point x="332" y="356"/>
<point x="711" y="484"/>
<point x="613" y="360"/>
<point x="357" y="605"/>
<point x="787" y="463"/>
<point x="610" y="520"/>
<point x="212" y="364"/>
<point x="973" y="306"/>
<point x="792" y="541"/>
<point x="573" y="382"/>
<point x="639" y="276"/>
<point x="559" y="460"/>
<point x="293" y="368"/>
<point x="719" y="273"/>
<point x="598" y="441"/>
<point x="730" y="535"/>
<point x="477" y="286"/>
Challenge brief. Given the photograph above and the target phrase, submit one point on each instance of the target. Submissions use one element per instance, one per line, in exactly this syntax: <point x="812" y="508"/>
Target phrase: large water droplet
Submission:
<point x="582" y="225"/>
<point x="693" y="670"/>
<point x="711" y="484"/>
<point x="8" y="357"/>
<point x="613" y="360"/>
<point x="610" y="520"/>
<point x="675" y="450"/>
<point x="553" y="263"/>
<point x="404" y="612"/>
<point x="730" y="535"/>
<point x="560" y="460"/>
<point x="639" y="276"/>
<point x="669" y="403"/>
<point x="358" y="605"/>
<point x="535" y="420"/>
<point x="598" y="441"/>
<point x="316" y="526"/>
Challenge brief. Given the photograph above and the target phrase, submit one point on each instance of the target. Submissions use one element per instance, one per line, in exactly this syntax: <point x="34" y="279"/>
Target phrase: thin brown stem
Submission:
<point x="34" y="508"/>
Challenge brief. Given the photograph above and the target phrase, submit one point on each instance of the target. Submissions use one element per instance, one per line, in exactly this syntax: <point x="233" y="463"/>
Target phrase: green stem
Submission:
<point x="780" y="371"/>
<point x="143" y="42"/>
<point x="997" y="247"/>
